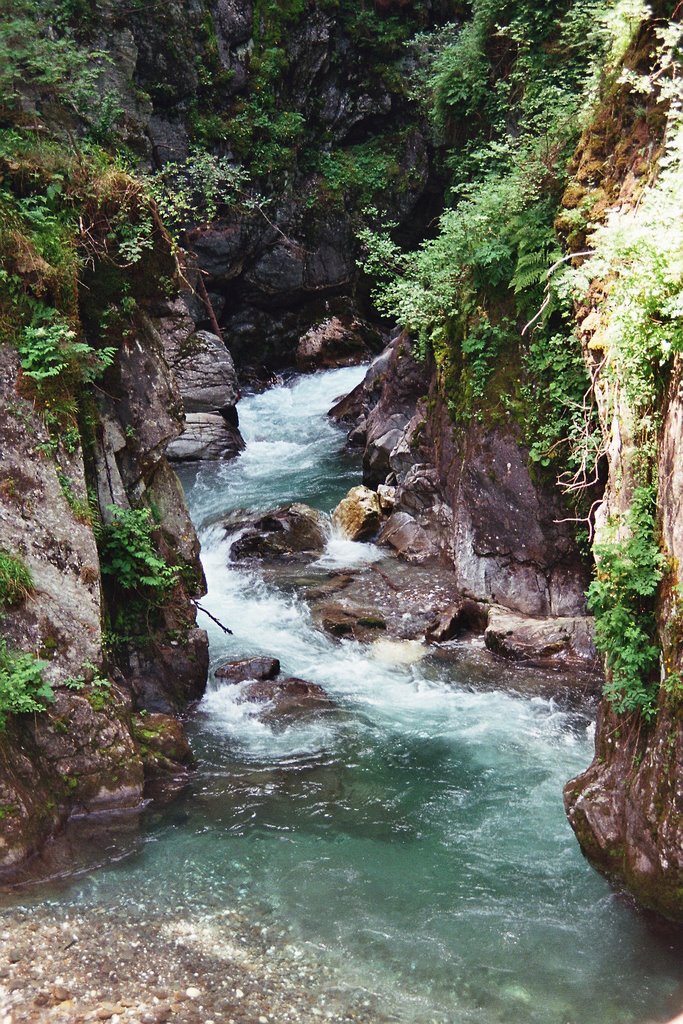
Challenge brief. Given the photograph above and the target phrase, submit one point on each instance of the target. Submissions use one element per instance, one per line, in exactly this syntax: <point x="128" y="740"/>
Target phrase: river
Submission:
<point x="415" y="846"/>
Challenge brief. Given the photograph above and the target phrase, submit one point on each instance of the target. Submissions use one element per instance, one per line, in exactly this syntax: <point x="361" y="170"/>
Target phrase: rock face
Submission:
<point x="463" y="493"/>
<point x="278" y="271"/>
<point x="82" y="753"/>
<point x="627" y="808"/>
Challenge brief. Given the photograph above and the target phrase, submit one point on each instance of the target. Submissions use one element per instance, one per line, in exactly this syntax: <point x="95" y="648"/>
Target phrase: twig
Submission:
<point x="200" y="608"/>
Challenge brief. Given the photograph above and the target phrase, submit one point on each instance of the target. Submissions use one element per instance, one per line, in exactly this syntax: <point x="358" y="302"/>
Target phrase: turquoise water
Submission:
<point x="415" y="840"/>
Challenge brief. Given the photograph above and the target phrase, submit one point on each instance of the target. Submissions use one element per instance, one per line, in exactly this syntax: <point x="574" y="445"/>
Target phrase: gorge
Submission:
<point x="287" y="249"/>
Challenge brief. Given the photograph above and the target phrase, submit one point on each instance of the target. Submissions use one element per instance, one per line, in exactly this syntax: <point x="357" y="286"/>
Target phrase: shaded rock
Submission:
<point x="462" y="617"/>
<point x="626" y="807"/>
<point x="207" y="436"/>
<point x="334" y="342"/>
<point x="393" y="390"/>
<point x="359" y="514"/>
<point x="162" y="743"/>
<point x="353" y="409"/>
<point x="566" y="640"/>
<point x="295" y="532"/>
<point x="205" y="372"/>
<point x="248" y="668"/>
<point x="409" y="540"/>
<point x="288" y="699"/>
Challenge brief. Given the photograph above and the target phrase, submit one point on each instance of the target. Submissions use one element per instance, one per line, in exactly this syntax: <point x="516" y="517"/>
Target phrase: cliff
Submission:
<point x="100" y="628"/>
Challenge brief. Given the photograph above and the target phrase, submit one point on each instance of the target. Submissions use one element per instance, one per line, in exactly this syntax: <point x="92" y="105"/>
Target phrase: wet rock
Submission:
<point x="334" y="342"/>
<point x="567" y="640"/>
<point x="359" y="514"/>
<point x="162" y="743"/>
<point x="409" y="540"/>
<point x="206" y="437"/>
<point x="293" y="533"/>
<point x="393" y="393"/>
<point x="288" y="699"/>
<point x="363" y="624"/>
<point x="464" y="616"/>
<point x="249" y="668"/>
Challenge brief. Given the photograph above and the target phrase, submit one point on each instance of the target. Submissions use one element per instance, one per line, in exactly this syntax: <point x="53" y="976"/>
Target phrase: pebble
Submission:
<point x="192" y="993"/>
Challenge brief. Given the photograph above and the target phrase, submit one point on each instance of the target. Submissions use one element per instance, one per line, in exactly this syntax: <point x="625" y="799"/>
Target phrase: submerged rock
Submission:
<point x="289" y="699"/>
<point x="166" y="754"/>
<point x="359" y="514"/>
<point x="248" y="668"/>
<point x="293" y="533"/>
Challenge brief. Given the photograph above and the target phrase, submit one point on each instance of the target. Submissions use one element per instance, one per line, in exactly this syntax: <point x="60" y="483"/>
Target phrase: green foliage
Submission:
<point x="504" y="95"/>
<point x="560" y="424"/>
<point x="366" y="172"/>
<point x="196" y="190"/>
<point x="36" y="58"/>
<point x="622" y="599"/>
<point x="49" y="352"/>
<point x="129" y="555"/>
<point x="16" y="581"/>
<point x="640" y="252"/>
<point x="22" y="687"/>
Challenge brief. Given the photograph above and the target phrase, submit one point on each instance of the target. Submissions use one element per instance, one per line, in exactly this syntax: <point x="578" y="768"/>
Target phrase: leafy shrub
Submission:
<point x="622" y="600"/>
<point x="22" y="687"/>
<point x="16" y="581"/>
<point x="49" y="352"/>
<point x="129" y="555"/>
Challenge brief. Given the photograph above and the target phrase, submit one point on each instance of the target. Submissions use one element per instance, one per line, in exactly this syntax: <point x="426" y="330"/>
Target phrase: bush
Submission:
<point x="22" y="687"/>
<point x="129" y="555"/>
<point x="622" y="600"/>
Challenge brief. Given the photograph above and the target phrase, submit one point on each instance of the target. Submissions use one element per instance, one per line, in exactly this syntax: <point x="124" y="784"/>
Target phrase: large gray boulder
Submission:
<point x="207" y="437"/>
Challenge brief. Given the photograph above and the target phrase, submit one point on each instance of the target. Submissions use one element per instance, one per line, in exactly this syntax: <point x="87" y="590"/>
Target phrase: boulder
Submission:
<point x="248" y="668"/>
<point x="362" y="624"/>
<point x="205" y="373"/>
<point x="332" y="343"/>
<point x="207" y="436"/>
<point x="359" y="514"/>
<point x="387" y="498"/>
<point x="403" y="533"/>
<point x="566" y="640"/>
<point x="293" y="533"/>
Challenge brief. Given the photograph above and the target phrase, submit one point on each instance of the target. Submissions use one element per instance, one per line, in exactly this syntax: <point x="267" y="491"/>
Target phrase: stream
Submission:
<point x="413" y="846"/>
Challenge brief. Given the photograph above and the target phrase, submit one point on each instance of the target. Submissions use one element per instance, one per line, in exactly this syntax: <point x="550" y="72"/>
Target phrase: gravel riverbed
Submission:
<point x="63" y="965"/>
